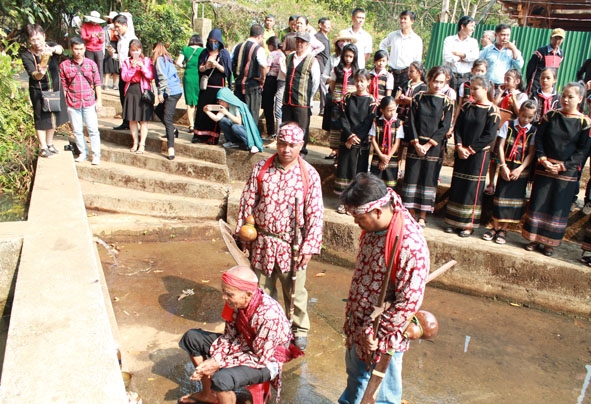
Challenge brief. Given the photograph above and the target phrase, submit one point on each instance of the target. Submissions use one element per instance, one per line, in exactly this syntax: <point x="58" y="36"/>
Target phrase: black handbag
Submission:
<point x="51" y="101"/>
<point x="148" y="97"/>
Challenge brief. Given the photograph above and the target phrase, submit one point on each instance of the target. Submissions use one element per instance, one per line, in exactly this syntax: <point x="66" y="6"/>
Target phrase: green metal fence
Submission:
<point x="576" y="46"/>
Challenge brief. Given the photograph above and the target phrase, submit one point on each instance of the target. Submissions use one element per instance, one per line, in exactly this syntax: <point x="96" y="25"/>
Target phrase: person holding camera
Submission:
<point x="235" y="121"/>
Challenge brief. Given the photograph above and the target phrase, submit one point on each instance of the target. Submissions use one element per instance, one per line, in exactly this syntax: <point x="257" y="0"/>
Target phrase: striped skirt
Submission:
<point x="467" y="187"/>
<point x="509" y="201"/>
<point x="351" y="161"/>
<point x="546" y="217"/>
<point x="420" y="179"/>
<point x="390" y="174"/>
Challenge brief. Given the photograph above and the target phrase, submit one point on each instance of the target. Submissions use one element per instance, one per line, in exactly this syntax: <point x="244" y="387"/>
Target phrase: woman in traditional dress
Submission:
<point x="189" y="58"/>
<point x="41" y="61"/>
<point x="562" y="142"/>
<point x="430" y="119"/>
<point x="475" y="130"/>
<point x="215" y="63"/>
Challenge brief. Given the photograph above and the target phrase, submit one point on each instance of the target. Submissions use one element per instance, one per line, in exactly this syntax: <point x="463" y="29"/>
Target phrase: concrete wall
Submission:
<point x="61" y="344"/>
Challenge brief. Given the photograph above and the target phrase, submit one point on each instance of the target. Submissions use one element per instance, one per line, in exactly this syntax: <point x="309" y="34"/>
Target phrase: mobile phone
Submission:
<point x="215" y="107"/>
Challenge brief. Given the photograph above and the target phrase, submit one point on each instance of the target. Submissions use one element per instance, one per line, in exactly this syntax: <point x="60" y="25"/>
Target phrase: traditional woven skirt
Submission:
<point x="351" y="161"/>
<point x="420" y="179"/>
<point x="465" y="195"/>
<point x="546" y="217"/>
<point x="509" y="201"/>
<point x="390" y="174"/>
<point x="336" y="113"/>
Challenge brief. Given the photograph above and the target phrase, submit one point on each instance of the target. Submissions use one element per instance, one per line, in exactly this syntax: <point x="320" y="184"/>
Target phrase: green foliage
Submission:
<point x="17" y="132"/>
<point x="161" y="23"/>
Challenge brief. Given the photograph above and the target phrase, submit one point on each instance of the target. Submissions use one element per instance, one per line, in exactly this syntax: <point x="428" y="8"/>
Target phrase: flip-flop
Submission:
<point x="531" y="246"/>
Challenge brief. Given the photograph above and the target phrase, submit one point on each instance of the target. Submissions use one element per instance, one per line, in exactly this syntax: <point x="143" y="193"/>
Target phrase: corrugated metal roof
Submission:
<point x="576" y="46"/>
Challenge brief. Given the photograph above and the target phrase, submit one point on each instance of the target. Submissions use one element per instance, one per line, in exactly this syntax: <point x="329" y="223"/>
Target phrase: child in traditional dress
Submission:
<point x="382" y="81"/>
<point x="475" y="130"/>
<point x="358" y="114"/>
<point x="430" y="119"/>
<point x="509" y="100"/>
<point x="562" y="142"/>
<point x="546" y="98"/>
<point x="385" y="134"/>
<point x="479" y="68"/>
<point x="341" y="83"/>
<point x="516" y="151"/>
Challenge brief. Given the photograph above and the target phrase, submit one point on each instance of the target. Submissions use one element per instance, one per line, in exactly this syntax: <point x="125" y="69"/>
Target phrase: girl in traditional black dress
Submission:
<point x="359" y="112"/>
<point x="475" y="130"/>
<point x="546" y="99"/>
<point x="386" y="134"/>
<point x="431" y="113"/>
<point x="516" y="152"/>
<point x="382" y="81"/>
<point x="562" y="142"/>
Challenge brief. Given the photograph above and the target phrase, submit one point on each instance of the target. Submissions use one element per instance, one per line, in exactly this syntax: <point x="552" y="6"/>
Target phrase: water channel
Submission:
<point x="487" y="351"/>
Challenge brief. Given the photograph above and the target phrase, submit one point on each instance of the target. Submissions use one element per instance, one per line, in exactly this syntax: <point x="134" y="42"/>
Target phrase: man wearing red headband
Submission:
<point x="252" y="349"/>
<point x="379" y="212"/>
<point x="269" y="196"/>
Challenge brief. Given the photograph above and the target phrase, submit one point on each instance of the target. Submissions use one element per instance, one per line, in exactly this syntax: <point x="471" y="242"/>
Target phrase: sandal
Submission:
<point x="449" y="230"/>
<point x="140" y="149"/>
<point x="531" y="246"/>
<point x="489" y="235"/>
<point x="331" y="156"/>
<point x="190" y="129"/>
<point x="586" y="260"/>
<point x="341" y="210"/>
<point x="465" y="233"/>
<point x="548" y="251"/>
<point x="422" y="223"/>
<point x="501" y="237"/>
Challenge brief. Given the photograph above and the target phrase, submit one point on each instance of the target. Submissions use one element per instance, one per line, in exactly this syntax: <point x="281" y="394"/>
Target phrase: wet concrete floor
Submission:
<point x="487" y="351"/>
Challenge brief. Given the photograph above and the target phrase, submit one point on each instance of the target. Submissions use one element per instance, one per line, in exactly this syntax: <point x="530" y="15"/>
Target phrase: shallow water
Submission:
<point x="486" y="351"/>
<point x="11" y="210"/>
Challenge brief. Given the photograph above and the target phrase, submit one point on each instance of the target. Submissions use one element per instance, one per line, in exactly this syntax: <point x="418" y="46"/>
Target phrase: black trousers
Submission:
<point x="301" y="116"/>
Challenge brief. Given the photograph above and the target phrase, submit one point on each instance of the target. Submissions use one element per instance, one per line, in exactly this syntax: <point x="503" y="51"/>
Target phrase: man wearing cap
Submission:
<point x="252" y="349"/>
<point x="405" y="47"/>
<point x="501" y="56"/>
<point x="379" y="212"/>
<point x="302" y="79"/>
<point x="94" y="38"/>
<point x="364" y="39"/>
<point x="550" y="55"/>
<point x="461" y="50"/>
<point x="270" y="197"/>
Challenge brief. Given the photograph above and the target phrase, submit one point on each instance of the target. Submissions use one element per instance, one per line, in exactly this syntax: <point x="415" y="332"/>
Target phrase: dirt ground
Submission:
<point x="487" y="351"/>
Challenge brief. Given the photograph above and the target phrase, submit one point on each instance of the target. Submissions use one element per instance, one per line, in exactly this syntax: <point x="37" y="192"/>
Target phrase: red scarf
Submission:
<point x="395" y="228"/>
<point x="547" y="102"/>
<point x="506" y="101"/>
<point x="519" y="139"/>
<point x="243" y="316"/>
<point x="345" y="90"/>
<point x="373" y="86"/>
<point x="387" y="139"/>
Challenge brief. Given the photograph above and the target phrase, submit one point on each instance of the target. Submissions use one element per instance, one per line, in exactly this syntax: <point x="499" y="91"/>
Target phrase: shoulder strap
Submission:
<point x="303" y="168"/>
<point x="188" y="60"/>
<point x="79" y="67"/>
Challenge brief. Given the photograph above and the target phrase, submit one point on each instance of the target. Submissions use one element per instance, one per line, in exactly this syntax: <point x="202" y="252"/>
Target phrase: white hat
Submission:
<point x="94" y="16"/>
<point x="111" y="15"/>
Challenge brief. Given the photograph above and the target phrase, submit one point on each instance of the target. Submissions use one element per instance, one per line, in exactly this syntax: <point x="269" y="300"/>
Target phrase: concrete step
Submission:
<point x="111" y="198"/>
<point x="151" y="181"/>
<point x="154" y="160"/>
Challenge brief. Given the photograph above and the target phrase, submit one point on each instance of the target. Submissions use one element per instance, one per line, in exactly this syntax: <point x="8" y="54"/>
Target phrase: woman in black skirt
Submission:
<point x="137" y="72"/>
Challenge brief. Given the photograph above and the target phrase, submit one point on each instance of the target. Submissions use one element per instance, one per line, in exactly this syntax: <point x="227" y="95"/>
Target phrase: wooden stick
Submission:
<point x="295" y="258"/>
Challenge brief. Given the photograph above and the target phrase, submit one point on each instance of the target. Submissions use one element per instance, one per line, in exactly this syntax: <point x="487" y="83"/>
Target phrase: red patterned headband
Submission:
<point x="291" y="134"/>
<point x="234" y="281"/>
<point x="384" y="200"/>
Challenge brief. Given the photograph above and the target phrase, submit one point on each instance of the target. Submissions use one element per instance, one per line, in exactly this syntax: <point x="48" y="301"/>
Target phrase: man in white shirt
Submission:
<point x="121" y="23"/>
<point x="364" y="40"/>
<point x="460" y="51"/>
<point x="405" y="47"/>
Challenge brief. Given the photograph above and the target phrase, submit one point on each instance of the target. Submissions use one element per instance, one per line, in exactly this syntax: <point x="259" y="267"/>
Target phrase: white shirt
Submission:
<point x="469" y="46"/>
<point x="364" y="45"/>
<point x="403" y="49"/>
<point x="502" y="133"/>
<point x="123" y="46"/>
<point x="399" y="131"/>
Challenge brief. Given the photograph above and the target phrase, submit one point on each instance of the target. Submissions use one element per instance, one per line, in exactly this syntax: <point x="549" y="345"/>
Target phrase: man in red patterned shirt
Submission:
<point x="252" y="349"/>
<point x="81" y="81"/>
<point x="269" y="196"/>
<point x="379" y="212"/>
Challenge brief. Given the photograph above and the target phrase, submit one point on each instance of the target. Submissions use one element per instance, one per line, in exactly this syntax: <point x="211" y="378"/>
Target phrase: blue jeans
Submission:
<point x="357" y="378"/>
<point x="86" y="116"/>
<point x="232" y="132"/>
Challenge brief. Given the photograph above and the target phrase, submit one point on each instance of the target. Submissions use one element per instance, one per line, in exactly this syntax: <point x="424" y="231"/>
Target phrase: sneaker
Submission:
<point x="587" y="208"/>
<point x="96" y="160"/>
<point x="80" y="158"/>
<point x="230" y="145"/>
<point x="254" y="149"/>
<point x="52" y="149"/>
<point x="45" y="153"/>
